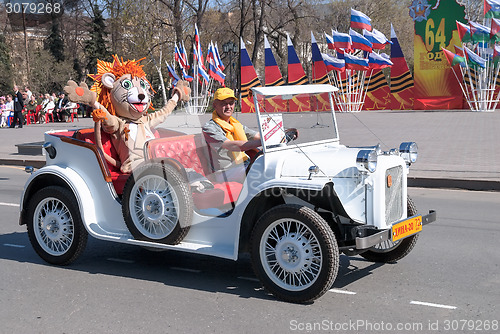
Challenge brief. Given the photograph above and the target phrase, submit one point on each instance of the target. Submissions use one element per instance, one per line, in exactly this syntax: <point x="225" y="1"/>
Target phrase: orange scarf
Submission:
<point x="234" y="131"/>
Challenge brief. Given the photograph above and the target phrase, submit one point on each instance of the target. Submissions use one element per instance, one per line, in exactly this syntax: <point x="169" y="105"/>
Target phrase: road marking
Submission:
<point x="249" y="279"/>
<point x="119" y="260"/>
<point x="13" y="245"/>
<point x="344" y="292"/>
<point x="186" y="269"/>
<point x="9" y="204"/>
<point x="449" y="307"/>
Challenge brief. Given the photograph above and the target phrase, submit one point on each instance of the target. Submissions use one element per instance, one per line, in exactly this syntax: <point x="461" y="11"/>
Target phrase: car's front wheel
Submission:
<point x="157" y="204"/>
<point x="389" y="251"/>
<point x="294" y="253"/>
<point x="55" y="227"/>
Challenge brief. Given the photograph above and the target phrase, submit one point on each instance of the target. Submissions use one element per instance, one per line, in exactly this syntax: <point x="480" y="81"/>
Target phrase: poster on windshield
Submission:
<point x="272" y="130"/>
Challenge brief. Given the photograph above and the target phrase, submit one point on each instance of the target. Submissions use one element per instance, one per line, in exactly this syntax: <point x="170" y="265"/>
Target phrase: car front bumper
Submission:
<point x="379" y="237"/>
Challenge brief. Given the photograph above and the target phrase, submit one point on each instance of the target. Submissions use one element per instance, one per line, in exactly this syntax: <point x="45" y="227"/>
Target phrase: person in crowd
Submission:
<point x="3" y="112"/>
<point x="18" y="108"/>
<point x="31" y="106"/>
<point x="48" y="106"/>
<point x="28" y="92"/>
<point x="9" y="108"/>
<point x="227" y="139"/>
<point x="61" y="112"/>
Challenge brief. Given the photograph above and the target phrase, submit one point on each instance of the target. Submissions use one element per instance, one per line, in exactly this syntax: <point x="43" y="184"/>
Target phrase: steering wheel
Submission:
<point x="291" y="134"/>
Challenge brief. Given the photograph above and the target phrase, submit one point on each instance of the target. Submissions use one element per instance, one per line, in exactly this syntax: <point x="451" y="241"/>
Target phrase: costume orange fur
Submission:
<point x="121" y="98"/>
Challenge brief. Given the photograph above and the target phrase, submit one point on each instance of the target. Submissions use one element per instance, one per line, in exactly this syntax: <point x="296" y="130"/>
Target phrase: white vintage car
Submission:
<point x="301" y="204"/>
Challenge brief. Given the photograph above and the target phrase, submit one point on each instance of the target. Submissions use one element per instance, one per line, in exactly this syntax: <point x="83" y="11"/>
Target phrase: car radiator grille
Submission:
<point x="393" y="194"/>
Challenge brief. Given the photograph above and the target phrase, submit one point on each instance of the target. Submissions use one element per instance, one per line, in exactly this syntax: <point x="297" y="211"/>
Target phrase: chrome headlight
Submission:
<point x="409" y="152"/>
<point x="367" y="160"/>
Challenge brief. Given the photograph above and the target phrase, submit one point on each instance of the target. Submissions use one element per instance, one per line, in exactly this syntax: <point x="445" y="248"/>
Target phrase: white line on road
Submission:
<point x="9" y="204"/>
<point x="119" y="260"/>
<point x="13" y="245"/>
<point x="186" y="269"/>
<point x="433" y="305"/>
<point x="345" y="292"/>
<point x="249" y="279"/>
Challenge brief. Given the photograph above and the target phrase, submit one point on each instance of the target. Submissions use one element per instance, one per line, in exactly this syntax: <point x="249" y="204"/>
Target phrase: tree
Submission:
<point x="54" y="43"/>
<point x="95" y="47"/>
<point x="47" y="75"/>
<point x="6" y="78"/>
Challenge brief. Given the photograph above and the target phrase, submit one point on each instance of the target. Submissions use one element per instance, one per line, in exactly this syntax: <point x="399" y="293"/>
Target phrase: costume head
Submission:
<point x="122" y="88"/>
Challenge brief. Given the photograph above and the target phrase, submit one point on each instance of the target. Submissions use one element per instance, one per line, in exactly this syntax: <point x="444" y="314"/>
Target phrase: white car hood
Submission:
<point x="336" y="161"/>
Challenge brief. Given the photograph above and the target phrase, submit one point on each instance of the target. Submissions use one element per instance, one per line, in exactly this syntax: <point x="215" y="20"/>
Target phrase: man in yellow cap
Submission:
<point x="227" y="138"/>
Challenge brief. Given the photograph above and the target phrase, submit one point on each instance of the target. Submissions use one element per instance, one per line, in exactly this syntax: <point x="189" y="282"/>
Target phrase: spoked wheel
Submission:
<point x="294" y="253"/>
<point x="55" y="228"/>
<point x="157" y="204"/>
<point x="389" y="251"/>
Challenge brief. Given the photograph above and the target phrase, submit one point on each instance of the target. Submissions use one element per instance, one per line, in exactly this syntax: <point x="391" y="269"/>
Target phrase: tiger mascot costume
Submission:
<point x="121" y="99"/>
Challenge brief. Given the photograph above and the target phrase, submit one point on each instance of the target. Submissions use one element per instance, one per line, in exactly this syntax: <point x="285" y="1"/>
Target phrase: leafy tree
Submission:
<point x="47" y="75"/>
<point x="95" y="47"/>
<point x="5" y="67"/>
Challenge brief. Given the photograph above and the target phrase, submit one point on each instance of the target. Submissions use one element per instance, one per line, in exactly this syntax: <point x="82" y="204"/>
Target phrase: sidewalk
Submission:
<point x="457" y="149"/>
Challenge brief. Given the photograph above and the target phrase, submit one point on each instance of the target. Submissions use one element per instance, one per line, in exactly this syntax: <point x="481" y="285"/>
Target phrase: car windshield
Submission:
<point x="308" y="109"/>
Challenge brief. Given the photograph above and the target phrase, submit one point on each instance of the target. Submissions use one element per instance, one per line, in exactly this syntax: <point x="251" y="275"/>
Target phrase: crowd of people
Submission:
<point x="17" y="107"/>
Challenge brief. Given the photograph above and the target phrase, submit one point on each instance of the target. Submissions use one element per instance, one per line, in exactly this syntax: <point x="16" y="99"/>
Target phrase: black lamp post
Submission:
<point x="230" y="49"/>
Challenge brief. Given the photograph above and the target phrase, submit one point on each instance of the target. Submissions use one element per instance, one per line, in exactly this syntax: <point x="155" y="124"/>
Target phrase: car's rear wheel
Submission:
<point x="157" y="204"/>
<point x="389" y="251"/>
<point x="55" y="227"/>
<point x="294" y="253"/>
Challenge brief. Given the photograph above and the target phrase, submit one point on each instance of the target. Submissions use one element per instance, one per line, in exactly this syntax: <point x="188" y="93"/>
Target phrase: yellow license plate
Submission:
<point x="406" y="228"/>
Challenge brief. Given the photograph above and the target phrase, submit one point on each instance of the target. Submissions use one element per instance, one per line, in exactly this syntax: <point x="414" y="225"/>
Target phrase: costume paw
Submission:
<point x="183" y="90"/>
<point x="98" y="115"/>
<point x="80" y="94"/>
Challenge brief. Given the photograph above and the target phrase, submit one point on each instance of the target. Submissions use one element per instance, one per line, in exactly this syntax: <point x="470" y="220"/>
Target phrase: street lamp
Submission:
<point x="230" y="49"/>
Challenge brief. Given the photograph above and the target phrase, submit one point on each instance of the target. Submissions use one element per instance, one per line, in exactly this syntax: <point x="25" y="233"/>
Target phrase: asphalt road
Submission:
<point x="449" y="282"/>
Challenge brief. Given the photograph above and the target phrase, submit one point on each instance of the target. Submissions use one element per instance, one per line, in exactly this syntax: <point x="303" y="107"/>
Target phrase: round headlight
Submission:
<point x="409" y="151"/>
<point x="366" y="160"/>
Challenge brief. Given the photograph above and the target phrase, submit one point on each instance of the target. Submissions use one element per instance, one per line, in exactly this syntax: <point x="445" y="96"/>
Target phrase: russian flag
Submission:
<point x="216" y="73"/>
<point x="296" y="74"/>
<point x="172" y="74"/>
<point x="179" y="58"/>
<point x="203" y="74"/>
<point x="491" y="9"/>
<point x="355" y="63"/>
<point x="197" y="47"/>
<point x="360" y="20"/>
<point x="217" y="56"/>
<point x="272" y="71"/>
<point x="329" y="41"/>
<point x="379" y="61"/>
<point x="184" y="54"/>
<point x="341" y="40"/>
<point x="333" y="64"/>
<point x="249" y="77"/>
<point x="359" y="42"/>
<point x="186" y="76"/>
<point x="319" y="70"/>
<point x="377" y="38"/>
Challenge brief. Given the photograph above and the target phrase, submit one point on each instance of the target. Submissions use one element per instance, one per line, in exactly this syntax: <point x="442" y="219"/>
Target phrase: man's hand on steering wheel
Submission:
<point x="291" y="134"/>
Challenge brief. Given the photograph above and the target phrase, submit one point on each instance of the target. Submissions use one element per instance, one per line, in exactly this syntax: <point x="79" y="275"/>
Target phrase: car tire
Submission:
<point x="157" y="204"/>
<point x="389" y="251"/>
<point x="294" y="253"/>
<point x="55" y="227"/>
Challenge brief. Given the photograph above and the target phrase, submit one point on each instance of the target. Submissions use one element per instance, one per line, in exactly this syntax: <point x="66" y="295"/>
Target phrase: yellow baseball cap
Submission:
<point x="224" y="93"/>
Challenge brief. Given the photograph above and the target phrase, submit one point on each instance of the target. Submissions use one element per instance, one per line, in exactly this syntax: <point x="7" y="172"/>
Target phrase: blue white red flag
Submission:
<point x="217" y="55"/>
<point x="249" y="79"/>
<point x="184" y="54"/>
<point x="319" y="70"/>
<point x="186" y="76"/>
<point x="355" y="63"/>
<point x="272" y="71"/>
<point x="329" y="41"/>
<point x="172" y="74"/>
<point x="333" y="64"/>
<point x="341" y="40"/>
<point x="296" y="73"/>
<point x="379" y="61"/>
<point x="213" y="67"/>
<point x="179" y="57"/>
<point x="378" y="39"/>
<point x="359" y="42"/>
<point x="198" y="53"/>
<point x="360" y="20"/>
